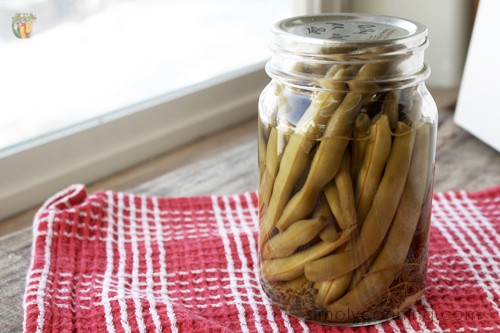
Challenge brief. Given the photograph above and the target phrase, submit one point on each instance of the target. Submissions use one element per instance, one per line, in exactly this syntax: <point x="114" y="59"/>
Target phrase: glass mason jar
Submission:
<point x="347" y="135"/>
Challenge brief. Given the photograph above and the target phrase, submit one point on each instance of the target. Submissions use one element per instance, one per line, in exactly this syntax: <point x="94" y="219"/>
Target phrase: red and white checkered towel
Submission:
<point x="114" y="262"/>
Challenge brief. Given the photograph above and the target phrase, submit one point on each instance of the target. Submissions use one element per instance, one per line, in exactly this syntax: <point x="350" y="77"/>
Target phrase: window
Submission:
<point x="105" y="84"/>
<point x="88" y="60"/>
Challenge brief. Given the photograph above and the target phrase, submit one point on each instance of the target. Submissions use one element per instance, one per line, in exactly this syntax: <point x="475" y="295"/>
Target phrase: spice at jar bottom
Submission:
<point x="346" y="141"/>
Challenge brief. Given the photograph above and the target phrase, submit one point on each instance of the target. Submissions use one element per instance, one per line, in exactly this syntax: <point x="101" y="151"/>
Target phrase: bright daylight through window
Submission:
<point x="89" y="58"/>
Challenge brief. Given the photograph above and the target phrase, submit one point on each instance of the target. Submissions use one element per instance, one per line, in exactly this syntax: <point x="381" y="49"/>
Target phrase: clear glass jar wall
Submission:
<point x="347" y="134"/>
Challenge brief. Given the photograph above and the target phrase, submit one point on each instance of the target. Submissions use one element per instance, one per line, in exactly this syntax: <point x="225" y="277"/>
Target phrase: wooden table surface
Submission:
<point x="463" y="162"/>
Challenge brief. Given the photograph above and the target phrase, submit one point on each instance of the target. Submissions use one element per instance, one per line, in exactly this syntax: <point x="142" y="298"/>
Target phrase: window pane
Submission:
<point x="89" y="58"/>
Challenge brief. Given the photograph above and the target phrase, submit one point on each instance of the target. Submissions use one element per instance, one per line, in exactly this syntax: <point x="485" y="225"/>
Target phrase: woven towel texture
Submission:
<point x="115" y="262"/>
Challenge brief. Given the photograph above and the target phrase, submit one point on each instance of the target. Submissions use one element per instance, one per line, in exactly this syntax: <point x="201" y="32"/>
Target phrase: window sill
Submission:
<point x="90" y="154"/>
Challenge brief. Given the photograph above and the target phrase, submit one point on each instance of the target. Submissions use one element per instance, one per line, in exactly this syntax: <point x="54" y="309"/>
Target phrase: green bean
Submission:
<point x="329" y="233"/>
<point x="262" y="145"/>
<point x="298" y="234"/>
<point x="324" y="103"/>
<point x="360" y="272"/>
<point x="360" y="135"/>
<point x="390" y="108"/>
<point x="369" y="72"/>
<point x="330" y="291"/>
<point x="263" y="181"/>
<point x="334" y="79"/>
<point x="342" y="206"/>
<point x="333" y="198"/>
<point x="291" y="267"/>
<point x="272" y="164"/>
<point x="388" y="263"/>
<point x="295" y="157"/>
<point x="423" y="228"/>
<point x="326" y="161"/>
<point x="379" y="217"/>
<point x="372" y="168"/>
<point x="293" y="285"/>
<point x="323" y="210"/>
<point x="346" y="192"/>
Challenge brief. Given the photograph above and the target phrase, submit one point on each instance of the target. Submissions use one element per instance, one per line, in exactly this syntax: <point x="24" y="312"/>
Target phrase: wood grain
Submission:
<point x="15" y="253"/>
<point x="226" y="163"/>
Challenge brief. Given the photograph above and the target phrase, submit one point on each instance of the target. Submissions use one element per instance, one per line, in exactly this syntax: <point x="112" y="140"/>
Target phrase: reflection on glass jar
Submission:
<point x="347" y="134"/>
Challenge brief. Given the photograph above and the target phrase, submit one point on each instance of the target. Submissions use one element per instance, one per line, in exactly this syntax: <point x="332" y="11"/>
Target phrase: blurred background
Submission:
<point x="96" y="56"/>
<point x="93" y="91"/>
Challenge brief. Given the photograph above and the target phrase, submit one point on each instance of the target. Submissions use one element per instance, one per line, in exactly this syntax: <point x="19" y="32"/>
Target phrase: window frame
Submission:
<point x="89" y="152"/>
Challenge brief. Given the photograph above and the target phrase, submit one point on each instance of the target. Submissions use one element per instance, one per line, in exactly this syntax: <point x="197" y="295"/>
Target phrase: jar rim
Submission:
<point x="379" y="85"/>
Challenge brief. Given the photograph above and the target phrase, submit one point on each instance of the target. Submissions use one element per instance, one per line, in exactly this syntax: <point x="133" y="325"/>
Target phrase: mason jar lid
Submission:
<point x="348" y="28"/>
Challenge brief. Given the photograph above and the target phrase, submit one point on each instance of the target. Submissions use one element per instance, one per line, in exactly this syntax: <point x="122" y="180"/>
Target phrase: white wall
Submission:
<point x="448" y="22"/>
<point x="308" y="7"/>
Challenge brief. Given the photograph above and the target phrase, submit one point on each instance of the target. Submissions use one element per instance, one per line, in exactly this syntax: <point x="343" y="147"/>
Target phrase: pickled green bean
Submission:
<point x="299" y="233"/>
<point x="388" y="263"/>
<point x="291" y="267"/>
<point x="379" y="217"/>
<point x="372" y="168"/>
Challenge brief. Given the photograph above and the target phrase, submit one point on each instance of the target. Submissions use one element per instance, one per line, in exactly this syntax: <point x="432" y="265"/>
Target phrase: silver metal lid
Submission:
<point x="351" y="28"/>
